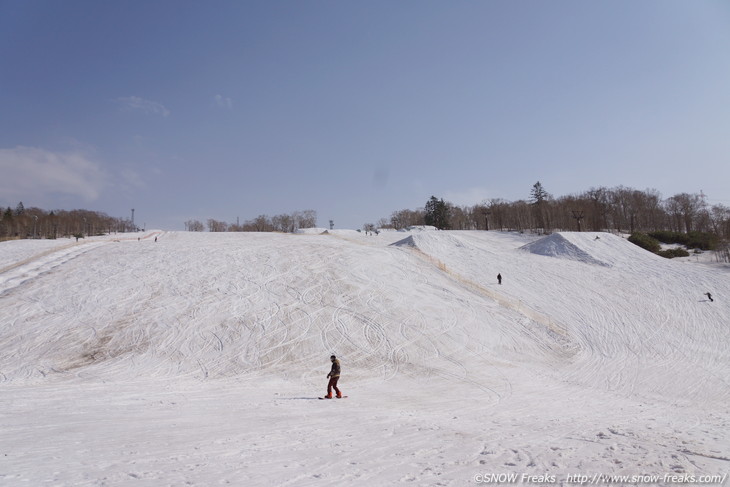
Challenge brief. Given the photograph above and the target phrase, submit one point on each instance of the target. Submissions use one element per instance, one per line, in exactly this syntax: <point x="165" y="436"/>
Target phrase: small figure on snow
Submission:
<point x="333" y="376"/>
<point x="499" y="278"/>
<point x="709" y="296"/>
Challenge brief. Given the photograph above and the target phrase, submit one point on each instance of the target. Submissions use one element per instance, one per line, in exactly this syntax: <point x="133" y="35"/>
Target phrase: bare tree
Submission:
<point x="283" y="223"/>
<point x="384" y="223"/>
<point x="683" y="210"/>
<point x="720" y="220"/>
<point x="406" y="218"/>
<point x="306" y="219"/>
<point x="461" y="217"/>
<point x="194" y="226"/>
<point x="597" y="209"/>
<point x="497" y="213"/>
<point x="262" y="223"/>
<point x="216" y="226"/>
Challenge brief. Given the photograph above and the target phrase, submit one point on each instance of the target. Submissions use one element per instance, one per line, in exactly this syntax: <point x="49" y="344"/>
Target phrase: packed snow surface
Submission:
<point x="171" y="359"/>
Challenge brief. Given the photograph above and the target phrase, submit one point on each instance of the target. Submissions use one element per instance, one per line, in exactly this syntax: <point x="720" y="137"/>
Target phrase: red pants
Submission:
<point x="333" y="384"/>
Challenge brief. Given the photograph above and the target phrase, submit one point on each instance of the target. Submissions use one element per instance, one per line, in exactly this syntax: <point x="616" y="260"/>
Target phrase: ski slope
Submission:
<point x="197" y="359"/>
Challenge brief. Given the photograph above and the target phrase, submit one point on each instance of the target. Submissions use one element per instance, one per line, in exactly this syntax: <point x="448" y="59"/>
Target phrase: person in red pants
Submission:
<point x="333" y="376"/>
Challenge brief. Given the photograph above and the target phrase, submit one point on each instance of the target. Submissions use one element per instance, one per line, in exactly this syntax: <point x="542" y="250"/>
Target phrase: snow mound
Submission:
<point x="312" y="231"/>
<point x="422" y="228"/>
<point x="406" y="242"/>
<point x="557" y="245"/>
<point x="431" y="242"/>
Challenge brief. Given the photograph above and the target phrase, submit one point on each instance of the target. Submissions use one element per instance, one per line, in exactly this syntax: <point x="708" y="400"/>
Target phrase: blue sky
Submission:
<point x="195" y="110"/>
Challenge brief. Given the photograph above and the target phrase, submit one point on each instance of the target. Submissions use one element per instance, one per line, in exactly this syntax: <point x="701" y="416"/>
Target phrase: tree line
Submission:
<point x="287" y="223"/>
<point x="619" y="209"/>
<point x="22" y="222"/>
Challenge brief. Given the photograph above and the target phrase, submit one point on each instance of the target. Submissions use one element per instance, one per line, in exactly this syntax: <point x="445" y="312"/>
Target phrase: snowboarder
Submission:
<point x="499" y="278"/>
<point x="333" y="376"/>
<point x="709" y="296"/>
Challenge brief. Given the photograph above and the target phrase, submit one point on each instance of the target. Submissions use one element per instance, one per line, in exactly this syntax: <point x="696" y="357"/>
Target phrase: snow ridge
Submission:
<point x="557" y="245"/>
<point x="406" y="242"/>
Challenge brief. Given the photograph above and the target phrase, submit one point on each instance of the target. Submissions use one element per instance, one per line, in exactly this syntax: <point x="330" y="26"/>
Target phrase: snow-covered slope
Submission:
<point x="198" y="358"/>
<point x="632" y="318"/>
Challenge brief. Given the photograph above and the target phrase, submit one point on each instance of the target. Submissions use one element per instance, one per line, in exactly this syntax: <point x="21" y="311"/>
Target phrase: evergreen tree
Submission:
<point x="437" y="213"/>
<point x="539" y="198"/>
<point x="538" y="193"/>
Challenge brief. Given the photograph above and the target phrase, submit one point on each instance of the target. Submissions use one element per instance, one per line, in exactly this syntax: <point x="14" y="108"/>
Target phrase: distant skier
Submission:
<point x="499" y="278"/>
<point x="333" y="376"/>
<point x="709" y="296"/>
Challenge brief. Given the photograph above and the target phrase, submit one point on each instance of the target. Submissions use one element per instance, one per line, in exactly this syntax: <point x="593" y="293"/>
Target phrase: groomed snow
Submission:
<point x="197" y="359"/>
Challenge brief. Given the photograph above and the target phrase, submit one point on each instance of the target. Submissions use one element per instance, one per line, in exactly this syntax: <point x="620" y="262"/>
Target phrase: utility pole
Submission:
<point x="578" y="215"/>
<point x="132" y="219"/>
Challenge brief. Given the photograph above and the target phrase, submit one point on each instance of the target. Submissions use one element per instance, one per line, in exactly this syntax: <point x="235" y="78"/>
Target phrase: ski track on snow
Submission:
<point x="195" y="359"/>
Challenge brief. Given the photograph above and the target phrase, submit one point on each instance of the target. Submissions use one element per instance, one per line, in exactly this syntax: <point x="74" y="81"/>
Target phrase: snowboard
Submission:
<point x="343" y="397"/>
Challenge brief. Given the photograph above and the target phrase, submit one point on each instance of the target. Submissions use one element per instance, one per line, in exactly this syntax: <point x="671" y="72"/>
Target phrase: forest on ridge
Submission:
<point x="619" y="210"/>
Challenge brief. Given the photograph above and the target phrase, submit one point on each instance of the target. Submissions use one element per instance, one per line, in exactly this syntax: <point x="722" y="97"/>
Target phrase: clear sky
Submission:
<point x="224" y="109"/>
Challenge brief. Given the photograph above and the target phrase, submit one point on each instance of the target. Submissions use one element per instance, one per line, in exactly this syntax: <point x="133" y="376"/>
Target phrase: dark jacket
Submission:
<point x="335" y="372"/>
